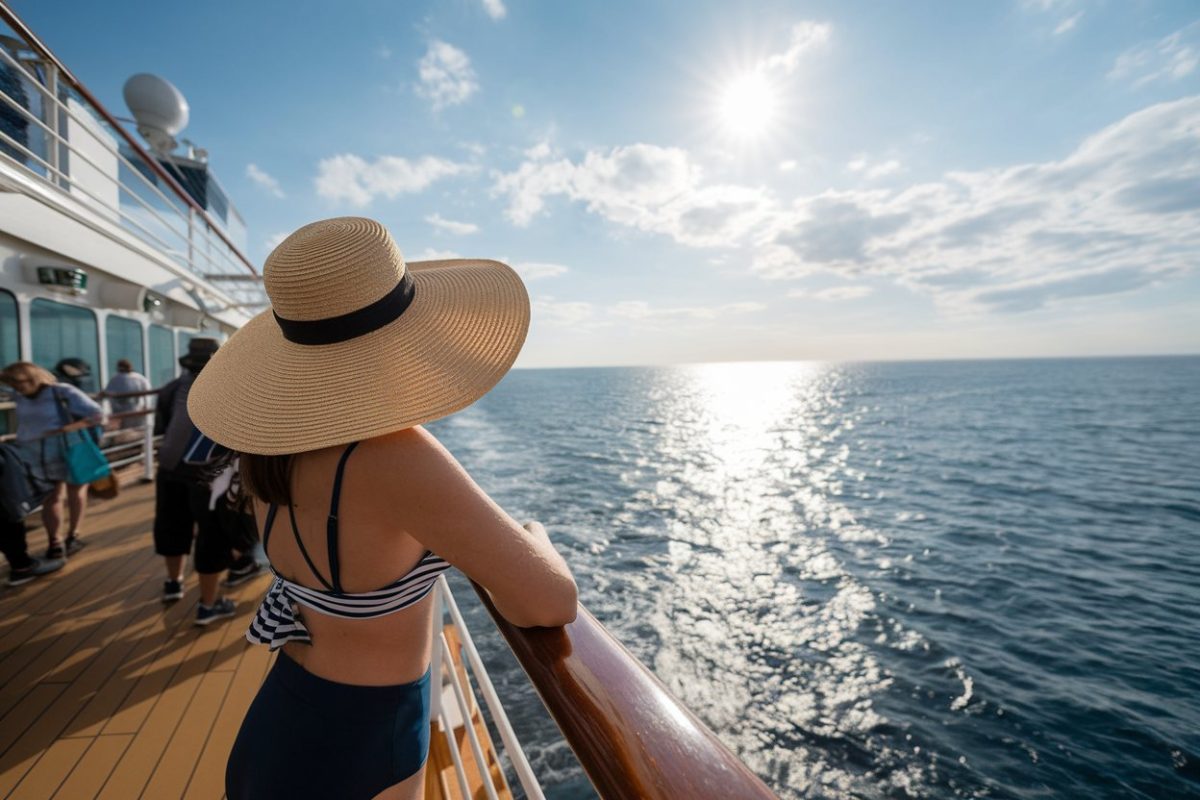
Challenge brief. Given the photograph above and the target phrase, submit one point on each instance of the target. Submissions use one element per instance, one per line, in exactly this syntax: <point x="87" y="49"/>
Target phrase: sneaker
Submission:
<point x="221" y="609"/>
<point x="55" y="552"/>
<point x="37" y="569"/>
<point x="239" y="573"/>
<point x="172" y="590"/>
<point x="74" y="545"/>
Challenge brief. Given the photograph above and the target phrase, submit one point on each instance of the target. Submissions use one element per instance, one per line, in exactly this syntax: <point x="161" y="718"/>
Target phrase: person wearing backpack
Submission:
<point x="46" y="409"/>
<point x="181" y="505"/>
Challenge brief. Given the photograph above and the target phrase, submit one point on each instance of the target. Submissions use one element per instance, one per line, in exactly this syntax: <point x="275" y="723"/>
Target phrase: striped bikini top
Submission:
<point x="278" y="622"/>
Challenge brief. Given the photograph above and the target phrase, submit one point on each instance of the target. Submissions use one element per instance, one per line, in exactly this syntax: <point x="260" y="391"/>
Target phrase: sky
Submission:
<point x="717" y="181"/>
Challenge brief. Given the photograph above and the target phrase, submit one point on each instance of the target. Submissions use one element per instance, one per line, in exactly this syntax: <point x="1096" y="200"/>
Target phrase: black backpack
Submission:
<point x="21" y="492"/>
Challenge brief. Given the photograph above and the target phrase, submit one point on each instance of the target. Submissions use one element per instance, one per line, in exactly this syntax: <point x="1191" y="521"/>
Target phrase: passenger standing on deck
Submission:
<point x="181" y="499"/>
<point x="323" y="395"/>
<point x="42" y="403"/>
<point x="124" y="382"/>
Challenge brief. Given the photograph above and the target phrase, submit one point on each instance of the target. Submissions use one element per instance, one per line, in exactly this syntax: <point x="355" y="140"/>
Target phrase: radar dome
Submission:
<point x="160" y="109"/>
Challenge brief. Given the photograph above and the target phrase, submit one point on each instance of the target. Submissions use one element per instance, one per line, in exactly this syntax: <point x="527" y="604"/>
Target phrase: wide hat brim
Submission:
<point x="263" y="394"/>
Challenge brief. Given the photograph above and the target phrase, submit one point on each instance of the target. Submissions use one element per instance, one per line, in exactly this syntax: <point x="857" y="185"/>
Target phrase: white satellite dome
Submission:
<point x="160" y="109"/>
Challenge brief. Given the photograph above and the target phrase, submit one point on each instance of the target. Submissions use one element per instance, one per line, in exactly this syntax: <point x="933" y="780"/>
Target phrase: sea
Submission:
<point x="876" y="580"/>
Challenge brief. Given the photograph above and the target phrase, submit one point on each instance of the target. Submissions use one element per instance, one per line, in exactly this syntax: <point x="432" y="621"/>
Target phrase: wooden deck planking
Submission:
<point x="104" y="692"/>
<point x="93" y="769"/>
<point x="43" y="781"/>
<point x="208" y="778"/>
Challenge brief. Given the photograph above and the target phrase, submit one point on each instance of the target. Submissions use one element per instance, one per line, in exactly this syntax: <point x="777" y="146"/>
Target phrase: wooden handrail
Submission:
<point x="633" y="738"/>
<point x="21" y="29"/>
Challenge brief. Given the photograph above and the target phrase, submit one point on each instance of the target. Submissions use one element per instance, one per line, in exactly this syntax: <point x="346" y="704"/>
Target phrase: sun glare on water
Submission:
<point x="748" y="105"/>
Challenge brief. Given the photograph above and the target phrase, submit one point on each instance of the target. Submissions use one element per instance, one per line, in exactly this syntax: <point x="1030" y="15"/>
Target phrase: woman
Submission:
<point x="360" y="509"/>
<point x="45" y="410"/>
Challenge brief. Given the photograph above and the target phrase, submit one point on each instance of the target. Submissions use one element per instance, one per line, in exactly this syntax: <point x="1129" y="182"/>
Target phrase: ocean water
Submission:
<point x="945" y="579"/>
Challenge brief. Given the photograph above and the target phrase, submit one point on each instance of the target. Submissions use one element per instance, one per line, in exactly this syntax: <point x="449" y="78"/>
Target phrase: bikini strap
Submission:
<point x="266" y="537"/>
<point x="331" y="525"/>
<point x="304" y="550"/>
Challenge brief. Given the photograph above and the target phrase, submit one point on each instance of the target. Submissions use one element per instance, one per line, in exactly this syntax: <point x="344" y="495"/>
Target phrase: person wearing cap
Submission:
<point x="181" y="499"/>
<point x="360" y="508"/>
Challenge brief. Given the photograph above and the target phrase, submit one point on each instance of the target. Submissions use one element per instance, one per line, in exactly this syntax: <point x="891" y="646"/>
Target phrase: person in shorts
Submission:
<point x="181" y="511"/>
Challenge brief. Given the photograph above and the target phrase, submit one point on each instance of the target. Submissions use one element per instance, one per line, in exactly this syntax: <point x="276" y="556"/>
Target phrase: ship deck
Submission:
<point x="107" y="693"/>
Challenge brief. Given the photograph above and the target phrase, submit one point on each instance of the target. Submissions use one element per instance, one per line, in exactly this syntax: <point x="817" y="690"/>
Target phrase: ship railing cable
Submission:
<point x="37" y="46"/>
<point x="183" y="235"/>
<point x="64" y="179"/>
<point x="186" y="249"/>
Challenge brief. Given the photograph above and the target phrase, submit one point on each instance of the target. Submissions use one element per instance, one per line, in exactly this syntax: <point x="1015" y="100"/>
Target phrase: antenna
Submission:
<point x="161" y="111"/>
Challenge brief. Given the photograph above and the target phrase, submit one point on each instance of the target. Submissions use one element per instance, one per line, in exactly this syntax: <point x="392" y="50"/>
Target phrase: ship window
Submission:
<point x="162" y="355"/>
<point x="10" y="351"/>
<point x="66" y="337"/>
<point x="10" y="342"/>
<point x="123" y="338"/>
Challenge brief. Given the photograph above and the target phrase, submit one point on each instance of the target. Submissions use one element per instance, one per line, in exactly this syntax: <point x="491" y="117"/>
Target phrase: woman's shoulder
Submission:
<point x="407" y="444"/>
<point x="414" y="453"/>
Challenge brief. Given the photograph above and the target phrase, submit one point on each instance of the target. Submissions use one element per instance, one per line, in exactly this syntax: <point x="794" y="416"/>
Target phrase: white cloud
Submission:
<point x="548" y="311"/>
<point x="787" y="166"/>
<point x="1068" y="24"/>
<point x="495" y="8"/>
<point x="533" y="271"/>
<point x="450" y="226"/>
<point x="806" y="35"/>
<point x="641" y="310"/>
<point x="430" y="254"/>
<point x="274" y="240"/>
<point x="1169" y="59"/>
<point x="446" y="77"/>
<point x="879" y="169"/>
<point x="265" y="181"/>
<point x="353" y="179"/>
<point x="657" y="189"/>
<point x="1119" y="213"/>
<point x="833" y="293"/>
<point x="539" y="151"/>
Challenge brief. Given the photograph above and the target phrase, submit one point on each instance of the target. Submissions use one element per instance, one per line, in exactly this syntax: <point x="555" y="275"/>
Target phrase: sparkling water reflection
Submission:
<point x="908" y="580"/>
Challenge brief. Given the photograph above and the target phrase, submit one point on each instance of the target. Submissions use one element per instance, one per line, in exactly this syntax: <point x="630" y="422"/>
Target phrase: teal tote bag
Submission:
<point x="85" y="462"/>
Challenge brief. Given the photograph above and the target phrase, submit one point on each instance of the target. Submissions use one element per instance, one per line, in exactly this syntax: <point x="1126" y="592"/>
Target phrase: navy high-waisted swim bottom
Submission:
<point x="308" y="737"/>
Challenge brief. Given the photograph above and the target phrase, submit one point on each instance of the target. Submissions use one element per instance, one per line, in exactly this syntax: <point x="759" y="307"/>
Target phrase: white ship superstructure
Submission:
<point x="108" y="249"/>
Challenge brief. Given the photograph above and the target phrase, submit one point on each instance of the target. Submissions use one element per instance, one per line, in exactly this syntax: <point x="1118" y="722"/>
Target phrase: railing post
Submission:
<point x="191" y="240"/>
<point x="435" y="665"/>
<point x="51" y="109"/>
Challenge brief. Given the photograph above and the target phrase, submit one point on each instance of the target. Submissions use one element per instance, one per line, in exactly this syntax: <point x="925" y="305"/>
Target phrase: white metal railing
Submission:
<point x="163" y="219"/>
<point x="464" y="697"/>
<point x="120" y="450"/>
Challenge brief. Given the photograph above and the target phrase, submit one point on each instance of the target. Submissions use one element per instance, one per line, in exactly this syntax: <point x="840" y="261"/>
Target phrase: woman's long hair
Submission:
<point x="269" y="478"/>
<point x="41" y="375"/>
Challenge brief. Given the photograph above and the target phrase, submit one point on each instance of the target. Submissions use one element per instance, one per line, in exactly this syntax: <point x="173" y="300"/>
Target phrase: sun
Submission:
<point x="748" y="105"/>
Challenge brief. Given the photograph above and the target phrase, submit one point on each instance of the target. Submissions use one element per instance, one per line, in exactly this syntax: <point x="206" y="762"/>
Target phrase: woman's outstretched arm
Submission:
<point x="444" y="509"/>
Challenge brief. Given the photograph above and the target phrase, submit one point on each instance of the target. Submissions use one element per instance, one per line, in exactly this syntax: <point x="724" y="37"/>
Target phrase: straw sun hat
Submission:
<point x="358" y="344"/>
